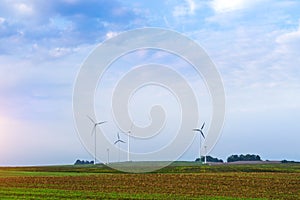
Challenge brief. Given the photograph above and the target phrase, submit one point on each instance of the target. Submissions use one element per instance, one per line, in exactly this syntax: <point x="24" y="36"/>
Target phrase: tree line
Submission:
<point x="232" y="158"/>
<point x="247" y="157"/>
<point x="83" y="162"/>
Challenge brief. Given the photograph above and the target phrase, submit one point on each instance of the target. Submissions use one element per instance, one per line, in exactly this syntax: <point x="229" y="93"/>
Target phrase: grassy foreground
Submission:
<point x="179" y="181"/>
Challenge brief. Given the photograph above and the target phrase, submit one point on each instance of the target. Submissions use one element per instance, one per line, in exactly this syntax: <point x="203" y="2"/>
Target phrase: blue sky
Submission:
<point x="254" y="44"/>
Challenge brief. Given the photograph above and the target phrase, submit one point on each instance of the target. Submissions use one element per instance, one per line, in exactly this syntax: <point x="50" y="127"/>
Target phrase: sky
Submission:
<point x="254" y="45"/>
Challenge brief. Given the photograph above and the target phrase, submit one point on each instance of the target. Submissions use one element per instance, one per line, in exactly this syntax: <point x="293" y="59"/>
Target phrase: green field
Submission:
<point x="181" y="180"/>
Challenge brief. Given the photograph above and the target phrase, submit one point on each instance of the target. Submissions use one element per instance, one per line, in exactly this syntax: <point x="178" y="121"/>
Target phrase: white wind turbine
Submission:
<point x="118" y="142"/>
<point x="200" y="131"/>
<point x="94" y="131"/>
<point x="128" y="141"/>
<point x="107" y="150"/>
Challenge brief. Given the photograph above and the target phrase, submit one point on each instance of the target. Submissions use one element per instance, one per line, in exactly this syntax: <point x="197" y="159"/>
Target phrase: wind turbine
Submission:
<point x="107" y="155"/>
<point x="205" y="153"/>
<point x="118" y="142"/>
<point x="201" y="134"/>
<point x="94" y="130"/>
<point x="128" y="142"/>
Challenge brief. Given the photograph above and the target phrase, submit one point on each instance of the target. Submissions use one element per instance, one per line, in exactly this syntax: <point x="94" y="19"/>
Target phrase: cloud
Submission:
<point x="60" y="24"/>
<point x="111" y="34"/>
<point x="23" y="9"/>
<point x="59" y="52"/>
<point x="188" y="8"/>
<point x="289" y="41"/>
<point x="37" y="87"/>
<point x="241" y="12"/>
<point x="220" y="6"/>
<point x="2" y="20"/>
<point x="258" y="58"/>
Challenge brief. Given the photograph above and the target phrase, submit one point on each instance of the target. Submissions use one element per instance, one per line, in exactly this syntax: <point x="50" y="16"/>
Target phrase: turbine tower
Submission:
<point x="94" y="131"/>
<point x="205" y="154"/>
<point x="128" y="142"/>
<point x="107" y="155"/>
<point x="201" y="134"/>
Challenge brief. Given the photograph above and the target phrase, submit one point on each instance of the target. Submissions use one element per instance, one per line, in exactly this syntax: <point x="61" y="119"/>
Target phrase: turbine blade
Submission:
<point x="91" y="119"/>
<point x="119" y="141"/>
<point x="93" y="130"/>
<point x="99" y="123"/>
<point x="131" y="127"/>
<point x="196" y="129"/>
<point x="118" y="135"/>
<point x="202" y="126"/>
<point x="202" y="134"/>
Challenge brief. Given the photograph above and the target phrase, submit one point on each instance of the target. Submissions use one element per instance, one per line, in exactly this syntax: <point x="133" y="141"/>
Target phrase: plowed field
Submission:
<point x="208" y="185"/>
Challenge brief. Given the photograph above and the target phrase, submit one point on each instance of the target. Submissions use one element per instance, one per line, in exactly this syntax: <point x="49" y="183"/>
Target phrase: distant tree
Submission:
<point x="247" y="157"/>
<point x="82" y="162"/>
<point x="209" y="159"/>
<point x="233" y="158"/>
<point x="289" y="161"/>
<point x="78" y="162"/>
<point x="257" y="157"/>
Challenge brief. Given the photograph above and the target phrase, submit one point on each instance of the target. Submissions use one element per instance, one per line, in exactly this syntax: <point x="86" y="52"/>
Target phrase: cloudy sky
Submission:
<point x="254" y="44"/>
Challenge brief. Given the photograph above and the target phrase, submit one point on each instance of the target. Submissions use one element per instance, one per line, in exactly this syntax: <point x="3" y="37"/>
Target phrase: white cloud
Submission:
<point x="59" y="52"/>
<point x="111" y="34"/>
<point x="23" y="9"/>
<point x="224" y="5"/>
<point x="188" y="8"/>
<point x="290" y="41"/>
<point x="232" y="5"/>
<point x="2" y="20"/>
<point x="192" y="6"/>
<point x="179" y="11"/>
<point x="259" y="64"/>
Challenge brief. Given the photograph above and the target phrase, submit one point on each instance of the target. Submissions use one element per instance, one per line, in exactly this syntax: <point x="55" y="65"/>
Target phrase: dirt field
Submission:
<point x="208" y="185"/>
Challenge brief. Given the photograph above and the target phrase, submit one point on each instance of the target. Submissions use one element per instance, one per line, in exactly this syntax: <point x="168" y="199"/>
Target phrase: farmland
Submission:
<point x="178" y="181"/>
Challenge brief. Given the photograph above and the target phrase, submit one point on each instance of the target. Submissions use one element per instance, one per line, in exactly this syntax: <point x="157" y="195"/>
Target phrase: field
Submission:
<point x="179" y="181"/>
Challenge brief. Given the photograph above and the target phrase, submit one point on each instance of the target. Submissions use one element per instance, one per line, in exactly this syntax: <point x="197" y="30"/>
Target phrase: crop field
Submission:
<point x="178" y="181"/>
